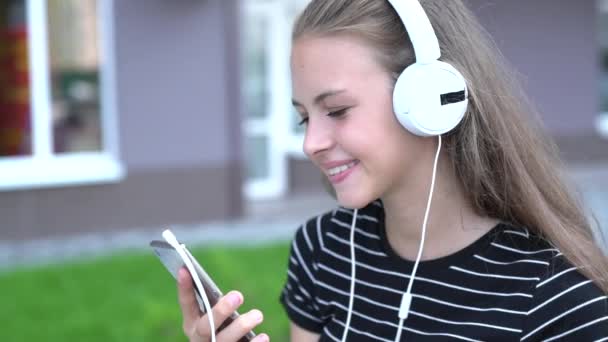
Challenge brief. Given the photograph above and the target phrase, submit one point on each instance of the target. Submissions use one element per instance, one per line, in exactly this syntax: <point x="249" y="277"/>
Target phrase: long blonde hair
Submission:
<point x="508" y="165"/>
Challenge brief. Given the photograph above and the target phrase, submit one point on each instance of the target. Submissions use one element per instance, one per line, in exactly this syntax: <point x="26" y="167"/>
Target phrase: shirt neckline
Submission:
<point x="478" y="246"/>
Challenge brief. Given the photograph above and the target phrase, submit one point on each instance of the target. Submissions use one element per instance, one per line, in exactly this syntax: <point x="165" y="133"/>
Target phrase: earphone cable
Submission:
<point x="179" y="248"/>
<point x="351" y="299"/>
<point x="406" y="300"/>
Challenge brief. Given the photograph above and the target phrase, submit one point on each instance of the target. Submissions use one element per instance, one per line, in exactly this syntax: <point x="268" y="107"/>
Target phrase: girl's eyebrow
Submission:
<point x="320" y="97"/>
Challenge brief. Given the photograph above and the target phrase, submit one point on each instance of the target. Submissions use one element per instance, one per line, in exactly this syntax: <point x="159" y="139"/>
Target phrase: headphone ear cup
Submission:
<point x="430" y="99"/>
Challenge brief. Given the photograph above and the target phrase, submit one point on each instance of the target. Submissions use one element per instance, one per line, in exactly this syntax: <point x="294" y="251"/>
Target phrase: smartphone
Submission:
<point x="173" y="262"/>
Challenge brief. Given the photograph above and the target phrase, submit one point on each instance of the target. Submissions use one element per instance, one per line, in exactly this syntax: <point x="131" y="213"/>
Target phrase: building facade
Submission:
<point x="168" y="146"/>
<point x="181" y="110"/>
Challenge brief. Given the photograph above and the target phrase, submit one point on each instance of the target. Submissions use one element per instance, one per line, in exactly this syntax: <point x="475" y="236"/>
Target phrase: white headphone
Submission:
<point x="430" y="97"/>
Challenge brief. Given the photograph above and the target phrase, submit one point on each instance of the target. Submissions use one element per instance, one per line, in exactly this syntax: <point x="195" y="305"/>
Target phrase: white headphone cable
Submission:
<point x="172" y="240"/>
<point x="406" y="300"/>
<point x="349" y="313"/>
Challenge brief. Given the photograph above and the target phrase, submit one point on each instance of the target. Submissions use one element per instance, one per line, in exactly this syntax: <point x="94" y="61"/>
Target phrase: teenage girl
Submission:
<point x="455" y="221"/>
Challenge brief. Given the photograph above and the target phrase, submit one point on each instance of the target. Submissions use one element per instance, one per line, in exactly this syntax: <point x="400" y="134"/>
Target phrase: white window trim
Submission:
<point x="43" y="168"/>
<point x="62" y="170"/>
<point x="272" y="126"/>
<point x="602" y="124"/>
<point x="294" y="146"/>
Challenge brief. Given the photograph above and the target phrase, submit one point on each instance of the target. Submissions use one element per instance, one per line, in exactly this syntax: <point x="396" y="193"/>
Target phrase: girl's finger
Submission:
<point x="187" y="300"/>
<point x="261" y="338"/>
<point x="241" y="326"/>
<point x="221" y="311"/>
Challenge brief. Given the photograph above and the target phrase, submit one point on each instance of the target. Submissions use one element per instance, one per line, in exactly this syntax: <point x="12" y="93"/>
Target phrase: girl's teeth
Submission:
<point x="334" y="171"/>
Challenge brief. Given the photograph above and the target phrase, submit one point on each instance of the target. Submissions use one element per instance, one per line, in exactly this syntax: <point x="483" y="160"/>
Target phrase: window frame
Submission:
<point x="602" y="125"/>
<point x="272" y="125"/>
<point x="44" y="168"/>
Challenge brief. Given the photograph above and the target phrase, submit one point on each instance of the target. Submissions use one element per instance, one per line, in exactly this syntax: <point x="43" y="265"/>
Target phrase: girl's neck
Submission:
<point x="452" y="223"/>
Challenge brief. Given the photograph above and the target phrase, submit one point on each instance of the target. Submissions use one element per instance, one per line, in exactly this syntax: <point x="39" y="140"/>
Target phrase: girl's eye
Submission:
<point x="337" y="113"/>
<point x="333" y="114"/>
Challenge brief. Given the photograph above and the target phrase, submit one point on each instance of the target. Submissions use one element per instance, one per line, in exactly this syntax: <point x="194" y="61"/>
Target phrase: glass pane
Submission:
<point x="255" y="68"/>
<point x="256" y="152"/>
<point x="74" y="67"/>
<point x="15" y="128"/>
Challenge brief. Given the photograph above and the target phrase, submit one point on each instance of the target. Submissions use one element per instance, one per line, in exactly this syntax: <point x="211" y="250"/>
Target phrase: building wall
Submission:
<point x="554" y="45"/>
<point x="179" y="128"/>
<point x="179" y="113"/>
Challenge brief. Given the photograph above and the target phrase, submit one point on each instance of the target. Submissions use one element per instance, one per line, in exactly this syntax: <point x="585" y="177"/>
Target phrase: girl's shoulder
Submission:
<point x="561" y="301"/>
<point x="565" y="302"/>
<point x="525" y="247"/>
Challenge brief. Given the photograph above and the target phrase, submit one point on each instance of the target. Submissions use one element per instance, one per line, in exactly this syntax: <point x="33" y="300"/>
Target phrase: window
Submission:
<point x="265" y="61"/>
<point x="58" y="124"/>
<point x="270" y="129"/>
<point x="15" y="128"/>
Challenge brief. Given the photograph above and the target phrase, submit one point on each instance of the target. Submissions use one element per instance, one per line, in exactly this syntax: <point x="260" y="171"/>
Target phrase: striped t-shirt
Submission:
<point x="509" y="285"/>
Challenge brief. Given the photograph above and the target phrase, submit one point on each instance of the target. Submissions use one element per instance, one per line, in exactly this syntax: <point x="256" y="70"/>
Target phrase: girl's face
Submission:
<point x="344" y="97"/>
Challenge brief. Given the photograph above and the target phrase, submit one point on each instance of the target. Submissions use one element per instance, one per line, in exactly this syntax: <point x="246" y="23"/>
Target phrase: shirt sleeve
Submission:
<point x="298" y="295"/>
<point x="567" y="306"/>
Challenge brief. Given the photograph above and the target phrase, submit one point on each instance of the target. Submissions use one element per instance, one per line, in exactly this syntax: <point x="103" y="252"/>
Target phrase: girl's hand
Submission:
<point x="196" y="326"/>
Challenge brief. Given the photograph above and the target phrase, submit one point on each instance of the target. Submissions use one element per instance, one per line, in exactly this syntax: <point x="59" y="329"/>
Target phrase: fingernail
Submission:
<point x="180" y="275"/>
<point x="235" y="299"/>
<point x="257" y="316"/>
<point x="264" y="338"/>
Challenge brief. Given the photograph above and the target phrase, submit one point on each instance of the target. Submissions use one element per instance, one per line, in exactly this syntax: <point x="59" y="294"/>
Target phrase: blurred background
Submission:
<point x="119" y="118"/>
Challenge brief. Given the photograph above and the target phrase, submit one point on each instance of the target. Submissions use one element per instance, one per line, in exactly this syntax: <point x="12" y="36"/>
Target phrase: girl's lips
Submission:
<point x="342" y="175"/>
<point x="331" y="164"/>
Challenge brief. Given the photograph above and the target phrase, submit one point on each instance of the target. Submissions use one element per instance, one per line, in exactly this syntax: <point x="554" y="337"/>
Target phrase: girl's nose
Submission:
<point x="318" y="137"/>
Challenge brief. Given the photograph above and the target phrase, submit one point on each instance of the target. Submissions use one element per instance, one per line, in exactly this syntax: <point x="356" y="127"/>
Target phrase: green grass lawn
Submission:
<point x="131" y="297"/>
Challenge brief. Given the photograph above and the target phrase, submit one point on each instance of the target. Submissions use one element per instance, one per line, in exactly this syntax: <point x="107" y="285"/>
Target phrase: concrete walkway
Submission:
<point x="267" y="222"/>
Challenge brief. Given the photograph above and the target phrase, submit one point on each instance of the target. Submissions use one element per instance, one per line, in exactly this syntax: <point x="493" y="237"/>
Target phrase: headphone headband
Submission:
<point x="419" y="29"/>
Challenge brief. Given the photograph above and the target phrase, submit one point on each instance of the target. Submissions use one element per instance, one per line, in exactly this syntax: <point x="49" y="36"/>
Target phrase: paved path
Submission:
<point x="270" y="221"/>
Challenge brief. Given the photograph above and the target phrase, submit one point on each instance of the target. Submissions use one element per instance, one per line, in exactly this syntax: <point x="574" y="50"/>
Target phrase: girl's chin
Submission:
<point x="353" y="200"/>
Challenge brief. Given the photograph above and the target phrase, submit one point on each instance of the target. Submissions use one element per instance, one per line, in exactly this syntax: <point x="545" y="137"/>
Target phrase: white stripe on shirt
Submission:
<point x="577" y="328"/>
<point x="508" y="231"/>
<point x="301" y="312"/>
<point x="346" y="242"/>
<point x="472" y="308"/>
<point x="357" y="229"/>
<point x="555" y="276"/>
<point x="319" y="234"/>
<point x="493" y="275"/>
<point x="523" y="252"/>
<point x="562" y="315"/>
<point x="301" y="262"/>
<point x="574" y="287"/>
<point x="511" y="262"/>
<point x="305" y="233"/>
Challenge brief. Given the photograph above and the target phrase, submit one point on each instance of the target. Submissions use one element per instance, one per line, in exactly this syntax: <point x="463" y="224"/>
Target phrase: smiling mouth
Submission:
<point x="339" y="169"/>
